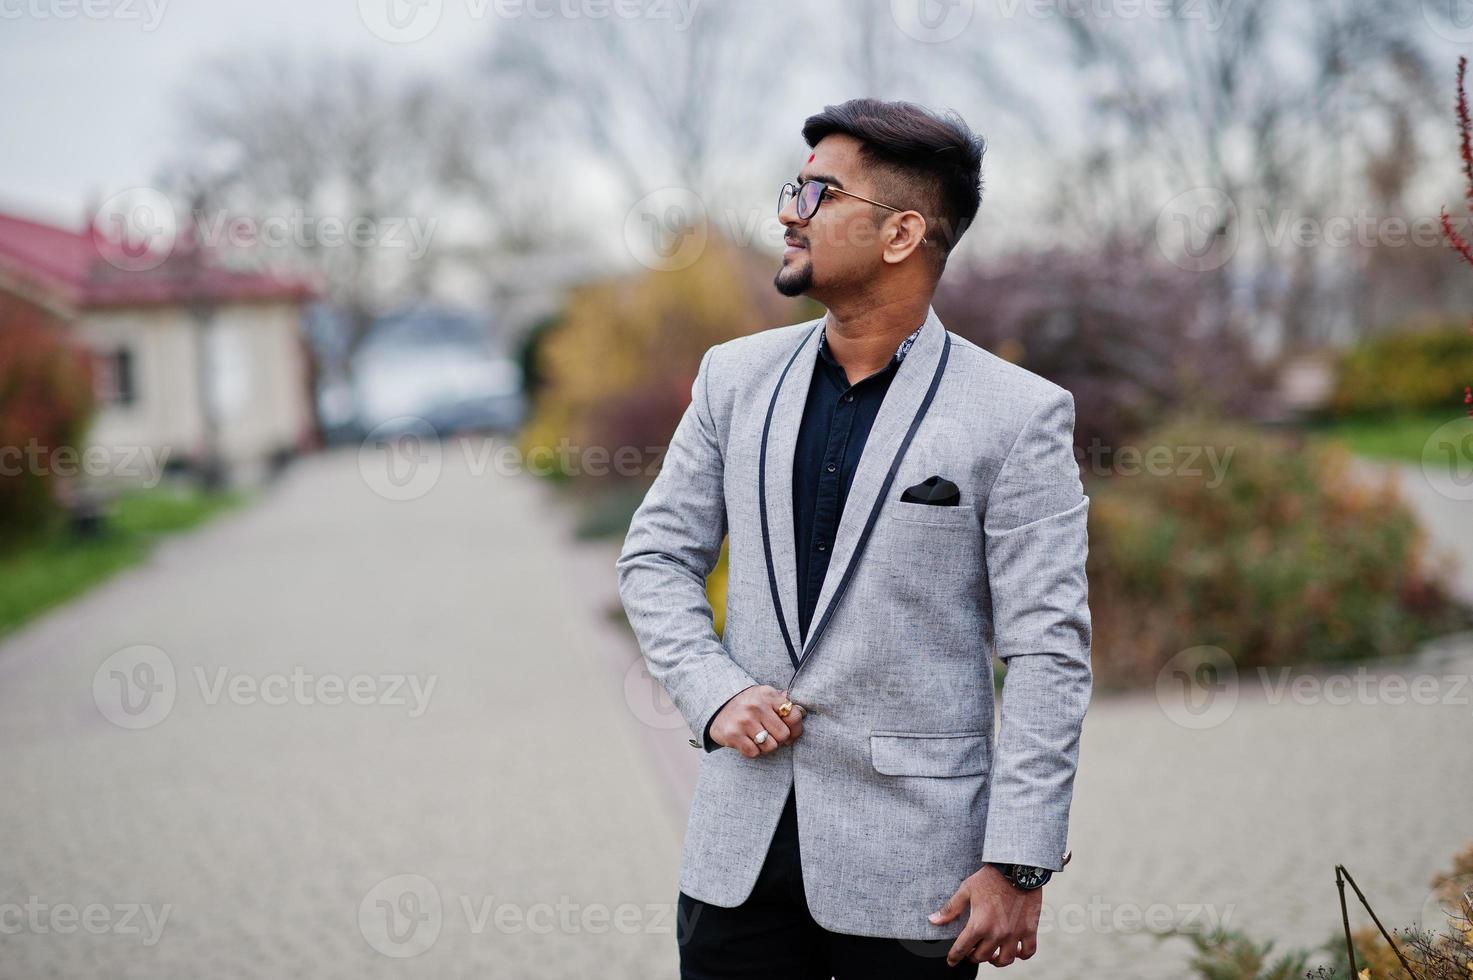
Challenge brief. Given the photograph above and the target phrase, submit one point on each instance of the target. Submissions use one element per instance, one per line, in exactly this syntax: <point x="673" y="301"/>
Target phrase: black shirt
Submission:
<point x="836" y="422"/>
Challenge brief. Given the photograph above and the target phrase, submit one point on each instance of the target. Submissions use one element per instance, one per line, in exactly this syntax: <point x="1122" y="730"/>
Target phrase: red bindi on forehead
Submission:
<point x="811" y="156"/>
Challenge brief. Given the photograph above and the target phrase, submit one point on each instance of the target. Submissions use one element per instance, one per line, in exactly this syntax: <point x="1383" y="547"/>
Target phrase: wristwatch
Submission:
<point x="1025" y="876"/>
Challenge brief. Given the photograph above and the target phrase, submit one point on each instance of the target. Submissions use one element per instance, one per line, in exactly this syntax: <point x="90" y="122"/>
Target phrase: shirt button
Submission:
<point x="822" y="546"/>
<point x="832" y="467"/>
<point x="849" y="398"/>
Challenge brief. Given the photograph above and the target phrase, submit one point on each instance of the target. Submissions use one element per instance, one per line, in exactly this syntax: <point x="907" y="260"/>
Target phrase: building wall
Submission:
<point x="259" y="381"/>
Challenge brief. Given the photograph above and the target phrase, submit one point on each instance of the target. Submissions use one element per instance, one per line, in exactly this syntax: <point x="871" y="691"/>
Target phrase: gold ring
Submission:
<point x="785" y="709"/>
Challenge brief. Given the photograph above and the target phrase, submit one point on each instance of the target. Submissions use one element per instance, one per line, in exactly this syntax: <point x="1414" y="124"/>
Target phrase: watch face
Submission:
<point x="1029" y="878"/>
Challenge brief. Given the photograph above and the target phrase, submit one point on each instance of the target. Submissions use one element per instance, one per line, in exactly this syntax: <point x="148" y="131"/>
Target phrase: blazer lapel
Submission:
<point x="775" y="484"/>
<point x="900" y="413"/>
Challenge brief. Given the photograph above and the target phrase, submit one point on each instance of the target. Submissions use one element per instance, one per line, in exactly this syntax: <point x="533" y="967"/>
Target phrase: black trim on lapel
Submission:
<point x="874" y="514"/>
<point x="777" y="603"/>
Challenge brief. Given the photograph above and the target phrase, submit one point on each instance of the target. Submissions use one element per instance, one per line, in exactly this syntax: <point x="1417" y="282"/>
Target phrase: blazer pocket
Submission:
<point x="914" y="513"/>
<point x="930" y="753"/>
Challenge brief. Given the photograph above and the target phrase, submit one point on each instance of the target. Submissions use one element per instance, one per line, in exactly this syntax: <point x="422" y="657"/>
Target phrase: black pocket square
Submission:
<point x="934" y="490"/>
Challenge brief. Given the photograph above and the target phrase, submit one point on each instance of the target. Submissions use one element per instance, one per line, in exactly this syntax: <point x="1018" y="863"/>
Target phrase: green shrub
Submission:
<point x="1279" y="557"/>
<point x="1408" y="371"/>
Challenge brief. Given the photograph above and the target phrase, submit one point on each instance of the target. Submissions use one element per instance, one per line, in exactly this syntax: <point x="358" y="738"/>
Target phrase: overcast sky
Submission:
<point x="93" y="85"/>
<point x="90" y="100"/>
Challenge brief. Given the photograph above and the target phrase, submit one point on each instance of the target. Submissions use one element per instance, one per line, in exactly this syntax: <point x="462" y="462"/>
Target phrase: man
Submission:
<point x="902" y="506"/>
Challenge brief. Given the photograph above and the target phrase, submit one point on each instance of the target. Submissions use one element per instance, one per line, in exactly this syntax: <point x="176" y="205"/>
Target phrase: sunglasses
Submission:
<point x="812" y="193"/>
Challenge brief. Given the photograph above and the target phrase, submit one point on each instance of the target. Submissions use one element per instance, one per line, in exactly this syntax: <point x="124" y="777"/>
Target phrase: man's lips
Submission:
<point x="792" y="246"/>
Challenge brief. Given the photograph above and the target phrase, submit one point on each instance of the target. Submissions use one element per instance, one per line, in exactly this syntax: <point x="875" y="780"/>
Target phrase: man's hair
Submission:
<point x="917" y="160"/>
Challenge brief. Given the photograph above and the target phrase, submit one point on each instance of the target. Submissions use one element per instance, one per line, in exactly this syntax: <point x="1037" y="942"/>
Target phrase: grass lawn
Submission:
<point x="46" y="572"/>
<point x="1403" y="438"/>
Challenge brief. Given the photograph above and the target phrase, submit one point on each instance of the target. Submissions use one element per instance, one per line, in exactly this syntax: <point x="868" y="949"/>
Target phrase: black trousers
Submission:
<point x="772" y="933"/>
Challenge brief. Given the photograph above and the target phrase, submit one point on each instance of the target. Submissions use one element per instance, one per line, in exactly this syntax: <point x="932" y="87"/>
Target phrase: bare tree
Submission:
<point x="336" y="161"/>
<point x="650" y="102"/>
<point x="1278" y="108"/>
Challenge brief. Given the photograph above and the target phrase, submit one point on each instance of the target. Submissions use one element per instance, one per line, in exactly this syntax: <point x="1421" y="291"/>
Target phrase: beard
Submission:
<point x="794" y="280"/>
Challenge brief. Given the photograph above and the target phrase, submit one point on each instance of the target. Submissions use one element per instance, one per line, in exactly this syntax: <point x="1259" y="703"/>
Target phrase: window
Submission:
<point x="115" y="382"/>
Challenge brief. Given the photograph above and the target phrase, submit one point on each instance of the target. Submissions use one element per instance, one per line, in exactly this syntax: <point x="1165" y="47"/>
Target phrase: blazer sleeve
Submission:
<point x="1036" y="545"/>
<point x="674" y="541"/>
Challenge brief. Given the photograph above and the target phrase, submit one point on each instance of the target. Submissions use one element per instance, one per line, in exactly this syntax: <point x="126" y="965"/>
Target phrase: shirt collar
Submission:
<point x="900" y="351"/>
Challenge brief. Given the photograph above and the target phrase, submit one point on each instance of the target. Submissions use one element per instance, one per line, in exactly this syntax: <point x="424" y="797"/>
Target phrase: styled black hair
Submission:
<point x="916" y="158"/>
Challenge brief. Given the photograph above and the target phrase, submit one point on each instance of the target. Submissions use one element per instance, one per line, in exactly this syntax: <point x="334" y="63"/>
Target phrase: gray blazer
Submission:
<point x="905" y="784"/>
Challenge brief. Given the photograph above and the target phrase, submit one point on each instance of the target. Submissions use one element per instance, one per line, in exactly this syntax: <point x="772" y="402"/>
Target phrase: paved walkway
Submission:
<point x="518" y="813"/>
<point x="507" y="821"/>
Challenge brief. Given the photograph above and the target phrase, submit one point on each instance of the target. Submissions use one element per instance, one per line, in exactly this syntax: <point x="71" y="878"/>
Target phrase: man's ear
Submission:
<point x="903" y="235"/>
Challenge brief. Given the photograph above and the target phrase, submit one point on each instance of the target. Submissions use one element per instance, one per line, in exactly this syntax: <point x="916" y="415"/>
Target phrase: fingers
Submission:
<point x="756" y="712"/>
<point x="1002" y="955"/>
<point x="970" y="944"/>
<point x="951" y="909"/>
<point x="969" y="935"/>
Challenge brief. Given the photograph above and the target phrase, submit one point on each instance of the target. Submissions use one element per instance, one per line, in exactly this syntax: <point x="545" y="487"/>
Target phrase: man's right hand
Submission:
<point x="752" y="711"/>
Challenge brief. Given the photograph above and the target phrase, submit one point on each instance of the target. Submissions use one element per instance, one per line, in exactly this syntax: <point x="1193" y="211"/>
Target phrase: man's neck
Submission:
<point x="863" y="339"/>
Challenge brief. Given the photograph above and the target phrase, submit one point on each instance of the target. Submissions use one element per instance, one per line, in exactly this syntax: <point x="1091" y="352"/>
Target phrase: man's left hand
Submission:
<point x="1003" y="925"/>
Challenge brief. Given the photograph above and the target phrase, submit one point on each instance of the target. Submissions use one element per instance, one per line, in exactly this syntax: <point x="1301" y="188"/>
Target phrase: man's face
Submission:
<point x="841" y="245"/>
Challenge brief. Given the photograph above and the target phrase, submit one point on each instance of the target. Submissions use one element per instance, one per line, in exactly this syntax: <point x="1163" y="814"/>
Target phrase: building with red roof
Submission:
<point x="194" y="361"/>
